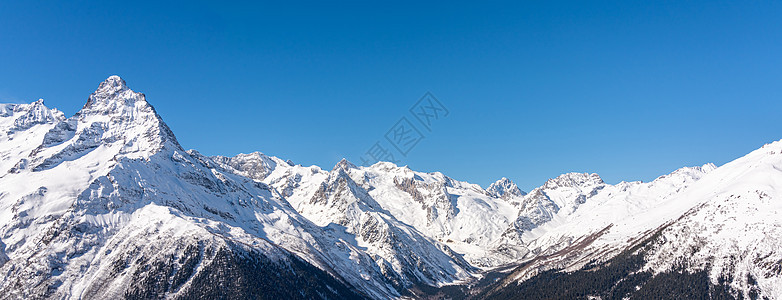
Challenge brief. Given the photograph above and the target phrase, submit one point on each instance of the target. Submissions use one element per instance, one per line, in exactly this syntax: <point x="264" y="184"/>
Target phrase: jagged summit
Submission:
<point x="106" y="203"/>
<point x="688" y="171"/>
<point x="386" y="165"/>
<point x="114" y="82"/>
<point x="574" y="180"/>
<point x="344" y="164"/>
<point x="29" y="115"/>
<point x="255" y="165"/>
<point x="115" y="117"/>
<point x="114" y="95"/>
<point x="504" y="188"/>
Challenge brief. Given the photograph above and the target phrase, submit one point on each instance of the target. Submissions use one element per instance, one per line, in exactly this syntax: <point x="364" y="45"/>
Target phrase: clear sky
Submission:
<point x="628" y="89"/>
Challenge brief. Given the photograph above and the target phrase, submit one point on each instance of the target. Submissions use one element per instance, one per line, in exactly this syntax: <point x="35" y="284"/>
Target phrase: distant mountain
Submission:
<point x="504" y="188"/>
<point x="107" y="204"/>
<point x="718" y="238"/>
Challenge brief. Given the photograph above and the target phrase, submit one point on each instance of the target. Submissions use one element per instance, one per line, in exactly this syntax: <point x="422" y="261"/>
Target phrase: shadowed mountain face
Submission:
<point x="107" y="204"/>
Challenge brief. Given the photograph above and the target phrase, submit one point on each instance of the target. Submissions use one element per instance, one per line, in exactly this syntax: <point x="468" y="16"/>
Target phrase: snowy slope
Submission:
<point x="450" y="214"/>
<point x="734" y="226"/>
<point x="725" y="223"/>
<point x="491" y="227"/>
<point x="574" y="205"/>
<point x="336" y="202"/>
<point x="84" y="184"/>
<point x="22" y="128"/>
<point x="107" y="204"/>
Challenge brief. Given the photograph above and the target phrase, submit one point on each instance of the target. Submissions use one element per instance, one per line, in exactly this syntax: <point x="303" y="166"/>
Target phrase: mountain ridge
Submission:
<point x="106" y="202"/>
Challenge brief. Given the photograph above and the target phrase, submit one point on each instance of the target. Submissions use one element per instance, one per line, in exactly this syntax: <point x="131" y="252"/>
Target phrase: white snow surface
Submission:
<point x="78" y="194"/>
<point x="112" y="179"/>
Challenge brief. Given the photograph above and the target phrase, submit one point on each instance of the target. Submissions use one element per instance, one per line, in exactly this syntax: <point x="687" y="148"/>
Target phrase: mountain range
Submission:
<point x="106" y="204"/>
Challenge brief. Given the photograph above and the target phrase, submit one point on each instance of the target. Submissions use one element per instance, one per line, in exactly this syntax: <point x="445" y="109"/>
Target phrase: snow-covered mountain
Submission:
<point x="505" y="189"/>
<point x="451" y="215"/>
<point x="107" y="204"/>
<point x="718" y="237"/>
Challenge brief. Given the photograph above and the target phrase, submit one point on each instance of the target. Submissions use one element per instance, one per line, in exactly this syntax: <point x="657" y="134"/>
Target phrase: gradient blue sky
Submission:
<point x="627" y="89"/>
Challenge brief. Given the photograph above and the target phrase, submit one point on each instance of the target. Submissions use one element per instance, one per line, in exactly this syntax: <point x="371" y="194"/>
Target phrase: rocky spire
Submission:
<point x="504" y="188"/>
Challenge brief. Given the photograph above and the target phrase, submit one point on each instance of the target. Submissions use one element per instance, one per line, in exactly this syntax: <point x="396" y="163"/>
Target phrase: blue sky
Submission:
<point x="628" y="89"/>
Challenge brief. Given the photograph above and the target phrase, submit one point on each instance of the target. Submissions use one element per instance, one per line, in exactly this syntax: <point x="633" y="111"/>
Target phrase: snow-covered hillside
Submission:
<point x="718" y="229"/>
<point x="107" y="204"/>
<point x="491" y="227"/>
<point x="110" y="190"/>
<point x="450" y="214"/>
